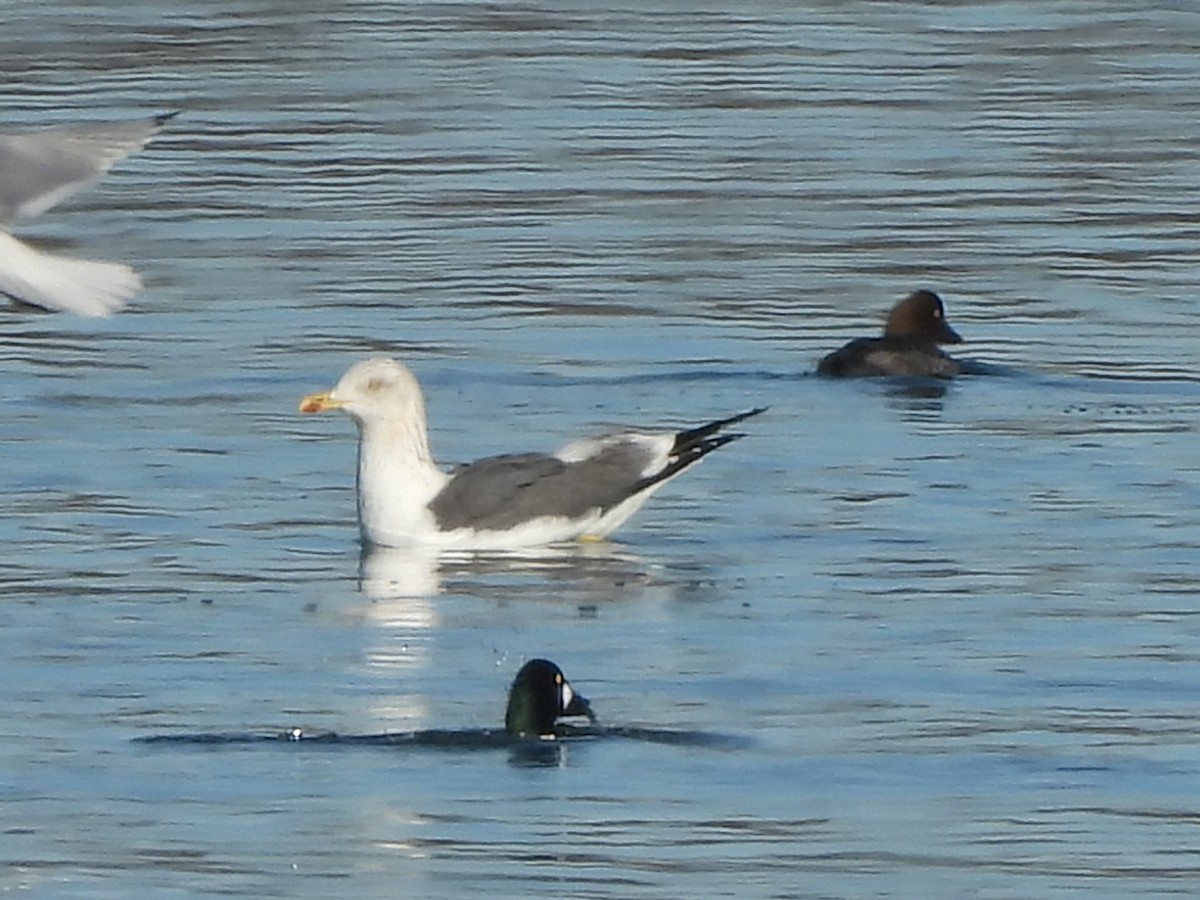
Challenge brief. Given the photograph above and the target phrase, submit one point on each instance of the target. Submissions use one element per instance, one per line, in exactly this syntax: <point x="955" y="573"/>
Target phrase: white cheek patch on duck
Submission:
<point x="566" y="696"/>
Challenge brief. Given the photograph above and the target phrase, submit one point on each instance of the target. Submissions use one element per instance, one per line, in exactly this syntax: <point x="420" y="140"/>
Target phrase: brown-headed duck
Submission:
<point x="908" y="347"/>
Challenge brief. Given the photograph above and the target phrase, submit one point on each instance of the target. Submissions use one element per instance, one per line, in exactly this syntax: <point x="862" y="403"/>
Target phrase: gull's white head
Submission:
<point x="378" y="389"/>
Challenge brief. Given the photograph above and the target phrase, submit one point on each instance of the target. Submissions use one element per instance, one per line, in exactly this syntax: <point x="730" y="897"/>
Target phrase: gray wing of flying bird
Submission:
<point x="39" y="169"/>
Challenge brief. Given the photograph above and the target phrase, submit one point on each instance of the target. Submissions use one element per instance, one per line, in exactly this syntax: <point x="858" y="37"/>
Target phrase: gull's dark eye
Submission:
<point x="375" y="384"/>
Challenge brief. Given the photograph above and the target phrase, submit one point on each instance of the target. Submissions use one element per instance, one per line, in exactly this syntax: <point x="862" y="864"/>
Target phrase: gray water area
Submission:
<point x="953" y="629"/>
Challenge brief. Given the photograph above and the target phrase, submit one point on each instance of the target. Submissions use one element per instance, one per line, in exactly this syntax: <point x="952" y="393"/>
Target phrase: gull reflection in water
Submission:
<point x="404" y="623"/>
<point x="585" y="575"/>
<point x="408" y="593"/>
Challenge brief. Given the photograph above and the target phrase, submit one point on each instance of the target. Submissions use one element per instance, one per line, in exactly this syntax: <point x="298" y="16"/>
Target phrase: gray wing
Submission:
<point x="503" y="491"/>
<point x="40" y="168"/>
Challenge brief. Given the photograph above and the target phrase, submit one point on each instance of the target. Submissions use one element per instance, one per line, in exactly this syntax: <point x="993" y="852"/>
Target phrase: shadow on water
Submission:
<point x="1131" y="397"/>
<point x="549" y="750"/>
<point x="910" y="388"/>
<point x="585" y="573"/>
<point x="921" y="391"/>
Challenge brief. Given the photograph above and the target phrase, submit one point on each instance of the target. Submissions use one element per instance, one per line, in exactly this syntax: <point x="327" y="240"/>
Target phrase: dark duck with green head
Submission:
<point x="539" y="695"/>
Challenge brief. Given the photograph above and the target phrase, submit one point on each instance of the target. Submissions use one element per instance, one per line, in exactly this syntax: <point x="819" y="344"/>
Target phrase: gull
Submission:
<point x="583" y="491"/>
<point x="39" y="169"/>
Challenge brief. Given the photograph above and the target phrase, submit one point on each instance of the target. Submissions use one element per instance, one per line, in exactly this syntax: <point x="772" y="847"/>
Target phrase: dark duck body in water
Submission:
<point x="908" y="347"/>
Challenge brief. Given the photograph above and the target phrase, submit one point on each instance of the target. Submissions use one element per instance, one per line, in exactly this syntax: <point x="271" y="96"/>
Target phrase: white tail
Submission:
<point x="85" y="287"/>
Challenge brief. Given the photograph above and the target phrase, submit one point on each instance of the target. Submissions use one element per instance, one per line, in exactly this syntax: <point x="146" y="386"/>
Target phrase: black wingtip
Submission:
<point x="163" y="118"/>
<point x="692" y="437"/>
<point x="733" y="420"/>
<point x="693" y="445"/>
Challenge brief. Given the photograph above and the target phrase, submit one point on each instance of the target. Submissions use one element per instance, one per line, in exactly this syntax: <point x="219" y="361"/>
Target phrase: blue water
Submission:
<point x="954" y="630"/>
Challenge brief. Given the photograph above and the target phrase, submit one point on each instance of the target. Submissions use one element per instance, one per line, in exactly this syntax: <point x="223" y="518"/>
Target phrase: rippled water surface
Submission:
<point x="945" y="638"/>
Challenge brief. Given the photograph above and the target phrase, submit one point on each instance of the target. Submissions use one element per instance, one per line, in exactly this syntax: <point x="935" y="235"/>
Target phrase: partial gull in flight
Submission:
<point x="581" y="492"/>
<point x="39" y="169"/>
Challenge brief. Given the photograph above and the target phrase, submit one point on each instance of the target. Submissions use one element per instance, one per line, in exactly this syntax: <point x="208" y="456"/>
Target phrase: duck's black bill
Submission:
<point x="579" y="706"/>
